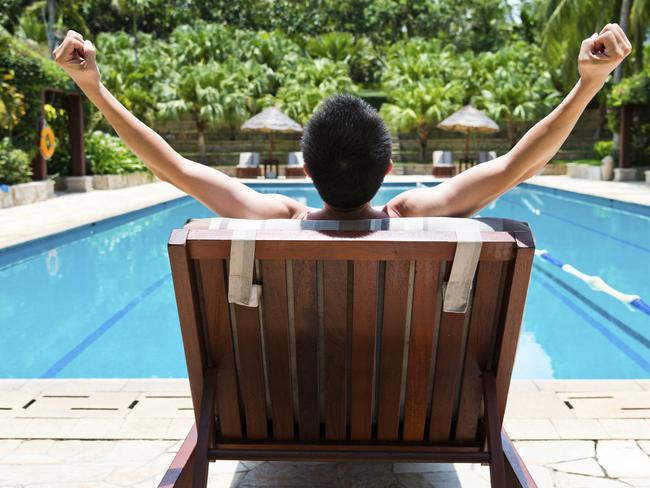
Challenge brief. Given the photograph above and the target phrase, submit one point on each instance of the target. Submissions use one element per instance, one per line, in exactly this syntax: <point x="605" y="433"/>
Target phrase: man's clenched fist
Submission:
<point x="602" y="53"/>
<point x="78" y="58"/>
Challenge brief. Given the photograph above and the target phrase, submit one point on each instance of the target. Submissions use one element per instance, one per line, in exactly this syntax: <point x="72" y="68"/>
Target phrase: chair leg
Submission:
<point x="497" y="466"/>
<point x="205" y="429"/>
<point x="181" y="470"/>
<point x="517" y="475"/>
<point x="507" y="470"/>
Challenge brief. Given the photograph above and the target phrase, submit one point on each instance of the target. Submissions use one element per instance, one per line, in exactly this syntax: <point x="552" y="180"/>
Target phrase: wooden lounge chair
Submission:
<point x="294" y="167"/>
<point x="443" y="163"/>
<point x="379" y="340"/>
<point x="249" y="165"/>
<point x="485" y="156"/>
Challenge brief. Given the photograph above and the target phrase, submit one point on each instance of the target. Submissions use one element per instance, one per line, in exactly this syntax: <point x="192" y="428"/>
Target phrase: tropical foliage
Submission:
<point x="307" y="82"/>
<point x="421" y="88"/>
<point x="603" y="148"/>
<point x="106" y="154"/>
<point x="12" y="102"/>
<point x="516" y="87"/>
<point x="15" y="166"/>
<point x="25" y="73"/>
<point x="217" y="62"/>
<point x="635" y="91"/>
<point x="568" y="22"/>
<point x="426" y="83"/>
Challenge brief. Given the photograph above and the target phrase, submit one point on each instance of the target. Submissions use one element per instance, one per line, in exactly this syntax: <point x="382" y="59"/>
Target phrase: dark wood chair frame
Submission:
<point x="491" y="445"/>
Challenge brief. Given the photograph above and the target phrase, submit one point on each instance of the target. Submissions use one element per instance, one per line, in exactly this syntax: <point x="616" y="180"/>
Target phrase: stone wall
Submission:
<point x="24" y="193"/>
<point x="223" y="150"/>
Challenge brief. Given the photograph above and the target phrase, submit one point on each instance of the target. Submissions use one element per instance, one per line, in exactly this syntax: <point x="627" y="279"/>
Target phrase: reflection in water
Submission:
<point x="531" y="361"/>
<point x="530" y="206"/>
<point x="52" y="262"/>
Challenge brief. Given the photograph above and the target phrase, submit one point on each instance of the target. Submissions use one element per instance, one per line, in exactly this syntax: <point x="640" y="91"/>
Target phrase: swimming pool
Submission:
<point x="98" y="301"/>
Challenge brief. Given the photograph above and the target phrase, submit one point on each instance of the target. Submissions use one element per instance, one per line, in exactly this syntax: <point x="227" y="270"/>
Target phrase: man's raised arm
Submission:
<point x="220" y="193"/>
<point x="468" y="192"/>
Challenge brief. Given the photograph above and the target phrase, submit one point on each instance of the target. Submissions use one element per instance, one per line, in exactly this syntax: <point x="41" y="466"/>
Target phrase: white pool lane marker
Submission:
<point x="596" y="283"/>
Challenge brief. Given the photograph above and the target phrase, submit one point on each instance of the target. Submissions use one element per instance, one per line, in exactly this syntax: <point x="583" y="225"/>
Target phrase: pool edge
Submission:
<point x="12" y="253"/>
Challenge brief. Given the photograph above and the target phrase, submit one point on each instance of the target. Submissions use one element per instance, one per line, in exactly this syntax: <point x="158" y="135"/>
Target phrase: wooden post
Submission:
<point x="74" y="106"/>
<point x="39" y="165"/>
<point x="625" y="143"/>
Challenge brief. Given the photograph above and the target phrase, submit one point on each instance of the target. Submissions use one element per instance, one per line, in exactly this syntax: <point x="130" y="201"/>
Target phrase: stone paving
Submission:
<point x="69" y="210"/>
<point x="124" y="433"/>
<point x="625" y="191"/>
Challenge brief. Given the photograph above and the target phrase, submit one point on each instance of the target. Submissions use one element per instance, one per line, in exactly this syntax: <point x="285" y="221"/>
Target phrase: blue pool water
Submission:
<point x="98" y="301"/>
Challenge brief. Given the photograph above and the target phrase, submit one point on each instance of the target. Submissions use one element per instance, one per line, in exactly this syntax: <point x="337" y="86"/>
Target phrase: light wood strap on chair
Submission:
<point x="401" y="224"/>
<point x="241" y="289"/>
<point x="466" y="257"/>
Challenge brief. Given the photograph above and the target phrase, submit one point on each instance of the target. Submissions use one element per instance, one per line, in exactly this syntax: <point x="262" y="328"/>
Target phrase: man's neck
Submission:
<point x="365" y="211"/>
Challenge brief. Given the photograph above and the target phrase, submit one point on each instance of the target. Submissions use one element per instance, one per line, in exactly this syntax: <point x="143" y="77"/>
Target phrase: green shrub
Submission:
<point x="31" y="72"/>
<point x="604" y="148"/>
<point x="107" y="155"/>
<point x="15" y="166"/>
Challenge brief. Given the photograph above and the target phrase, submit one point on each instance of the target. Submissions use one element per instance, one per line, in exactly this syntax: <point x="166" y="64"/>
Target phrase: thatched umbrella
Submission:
<point x="467" y="120"/>
<point x="270" y="121"/>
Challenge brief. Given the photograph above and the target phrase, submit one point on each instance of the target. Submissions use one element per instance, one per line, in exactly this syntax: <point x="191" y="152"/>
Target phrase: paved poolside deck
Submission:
<point x="124" y="433"/>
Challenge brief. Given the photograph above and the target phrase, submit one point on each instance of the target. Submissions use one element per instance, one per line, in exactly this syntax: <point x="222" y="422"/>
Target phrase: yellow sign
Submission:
<point x="48" y="142"/>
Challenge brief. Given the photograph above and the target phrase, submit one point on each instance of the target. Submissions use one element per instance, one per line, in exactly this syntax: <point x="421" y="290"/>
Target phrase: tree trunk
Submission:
<point x="512" y="133"/>
<point x="626" y="7"/>
<point x="51" y="12"/>
<point x="423" y="135"/>
<point x="638" y="50"/>
<point x="602" y="117"/>
<point x="134" y="31"/>
<point x="200" y="143"/>
<point x="625" y="150"/>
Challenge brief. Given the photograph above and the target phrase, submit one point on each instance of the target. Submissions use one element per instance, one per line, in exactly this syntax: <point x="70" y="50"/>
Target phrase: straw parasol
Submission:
<point x="467" y="120"/>
<point x="270" y="121"/>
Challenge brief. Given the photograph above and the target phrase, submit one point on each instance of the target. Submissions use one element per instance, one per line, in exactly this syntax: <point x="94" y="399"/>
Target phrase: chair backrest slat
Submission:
<point x="305" y="312"/>
<point x="365" y="296"/>
<point x="216" y="314"/>
<point x="446" y="375"/>
<point x="251" y="370"/>
<point x="425" y="310"/>
<point x="278" y="348"/>
<point x="335" y="339"/>
<point x="481" y="336"/>
<point x="391" y="358"/>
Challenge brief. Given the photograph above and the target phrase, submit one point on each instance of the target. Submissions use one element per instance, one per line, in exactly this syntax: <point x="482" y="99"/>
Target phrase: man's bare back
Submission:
<point x="460" y="196"/>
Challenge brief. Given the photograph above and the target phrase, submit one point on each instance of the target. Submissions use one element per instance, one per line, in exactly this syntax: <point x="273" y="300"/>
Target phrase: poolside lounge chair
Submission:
<point x="484" y="156"/>
<point x="443" y="163"/>
<point x="378" y="340"/>
<point x="249" y="165"/>
<point x="295" y="163"/>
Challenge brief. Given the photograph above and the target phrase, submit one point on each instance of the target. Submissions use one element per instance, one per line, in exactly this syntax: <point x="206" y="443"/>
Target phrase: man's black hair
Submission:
<point x="347" y="149"/>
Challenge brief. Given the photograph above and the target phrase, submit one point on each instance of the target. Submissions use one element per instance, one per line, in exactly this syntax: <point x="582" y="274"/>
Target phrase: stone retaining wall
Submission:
<point x="25" y="193"/>
<point x="112" y="182"/>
